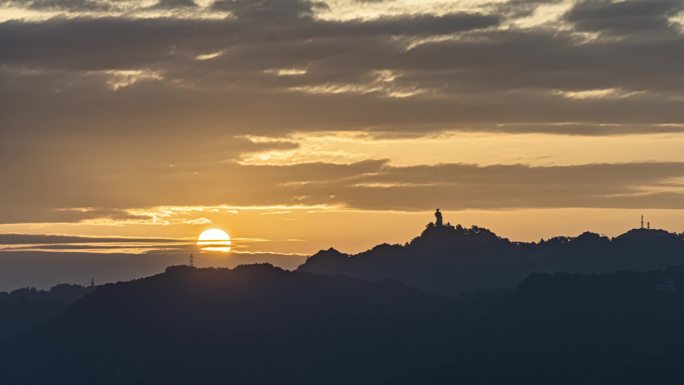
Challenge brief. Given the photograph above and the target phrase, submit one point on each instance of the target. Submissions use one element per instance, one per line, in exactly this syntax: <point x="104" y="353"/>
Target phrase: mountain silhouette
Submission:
<point x="261" y="325"/>
<point x="578" y="310"/>
<point x="255" y="324"/>
<point x="621" y="328"/>
<point x="22" y="309"/>
<point x="451" y="260"/>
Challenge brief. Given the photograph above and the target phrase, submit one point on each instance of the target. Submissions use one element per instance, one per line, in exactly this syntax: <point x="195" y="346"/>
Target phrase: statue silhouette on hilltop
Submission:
<point x="438" y="215"/>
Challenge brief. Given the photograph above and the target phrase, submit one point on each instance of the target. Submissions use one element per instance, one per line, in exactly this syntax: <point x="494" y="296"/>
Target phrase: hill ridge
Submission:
<point x="453" y="259"/>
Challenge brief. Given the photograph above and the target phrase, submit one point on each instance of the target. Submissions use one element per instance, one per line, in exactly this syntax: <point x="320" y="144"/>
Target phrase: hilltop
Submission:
<point x="451" y="260"/>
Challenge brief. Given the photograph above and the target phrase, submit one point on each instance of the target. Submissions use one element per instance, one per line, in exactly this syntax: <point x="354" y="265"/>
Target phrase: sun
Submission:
<point x="214" y="240"/>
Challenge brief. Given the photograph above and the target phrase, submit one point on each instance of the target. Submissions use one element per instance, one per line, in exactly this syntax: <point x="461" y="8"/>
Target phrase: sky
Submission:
<point x="129" y="127"/>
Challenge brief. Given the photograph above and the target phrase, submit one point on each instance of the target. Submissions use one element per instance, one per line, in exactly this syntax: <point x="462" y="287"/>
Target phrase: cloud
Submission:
<point x="160" y="106"/>
<point x="113" y="42"/>
<point x="446" y="84"/>
<point x="374" y="185"/>
<point x="173" y="4"/>
<point x="60" y="5"/>
<point x="522" y="8"/>
<point x="268" y="9"/>
<point x="624" y="17"/>
<point x="633" y="185"/>
<point x="31" y="239"/>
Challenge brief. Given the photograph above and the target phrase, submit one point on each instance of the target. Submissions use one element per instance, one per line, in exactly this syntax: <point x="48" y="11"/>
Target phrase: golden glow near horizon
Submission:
<point x="303" y="231"/>
<point x="214" y="240"/>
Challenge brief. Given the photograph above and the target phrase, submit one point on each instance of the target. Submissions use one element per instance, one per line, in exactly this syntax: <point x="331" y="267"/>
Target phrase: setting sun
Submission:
<point x="214" y="240"/>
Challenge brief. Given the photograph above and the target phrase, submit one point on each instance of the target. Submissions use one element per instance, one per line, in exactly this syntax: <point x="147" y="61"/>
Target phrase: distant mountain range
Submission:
<point x="261" y="325"/>
<point x="22" y="309"/>
<point x="451" y="260"/>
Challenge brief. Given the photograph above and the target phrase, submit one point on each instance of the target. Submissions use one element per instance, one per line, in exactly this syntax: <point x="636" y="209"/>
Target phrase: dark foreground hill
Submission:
<point x="251" y="325"/>
<point x="451" y="260"/>
<point x="262" y="325"/>
<point x="622" y="328"/>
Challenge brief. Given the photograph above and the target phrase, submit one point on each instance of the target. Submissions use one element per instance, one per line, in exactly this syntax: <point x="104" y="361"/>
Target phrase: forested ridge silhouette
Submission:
<point x="258" y="324"/>
<point x="24" y="308"/>
<point x="448" y="259"/>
